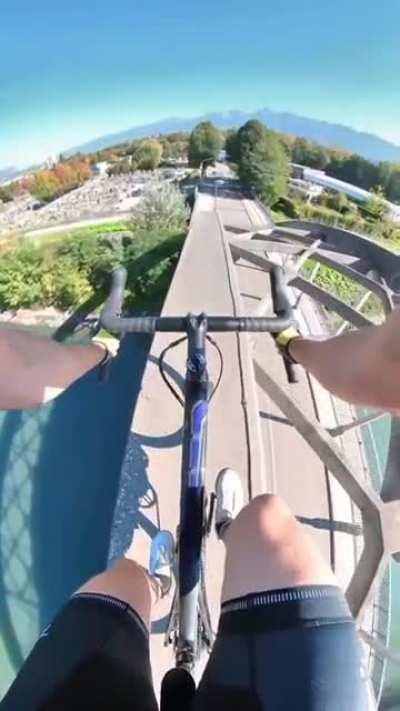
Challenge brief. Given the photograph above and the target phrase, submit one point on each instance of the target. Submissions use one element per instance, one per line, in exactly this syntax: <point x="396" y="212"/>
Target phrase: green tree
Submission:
<point x="309" y="153"/>
<point x="389" y="178"/>
<point x="121" y="167"/>
<point x="205" y="143"/>
<point x="45" y="186"/>
<point x="147" y="155"/>
<point x="7" y="192"/>
<point x="175" y="145"/>
<point x="178" y="137"/>
<point x="232" y="145"/>
<point x="263" y="163"/>
<point x="354" y="169"/>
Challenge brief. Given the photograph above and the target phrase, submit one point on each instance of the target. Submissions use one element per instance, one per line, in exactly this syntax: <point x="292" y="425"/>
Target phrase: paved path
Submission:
<point x="246" y="431"/>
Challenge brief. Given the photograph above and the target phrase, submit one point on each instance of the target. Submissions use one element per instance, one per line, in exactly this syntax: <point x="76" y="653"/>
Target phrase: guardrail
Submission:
<point x="370" y="583"/>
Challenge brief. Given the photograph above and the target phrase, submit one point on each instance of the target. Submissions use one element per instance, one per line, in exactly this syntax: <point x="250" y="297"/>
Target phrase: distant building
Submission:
<point x="50" y="162"/>
<point x="304" y="189"/>
<point x="101" y="168"/>
<point x="319" y="177"/>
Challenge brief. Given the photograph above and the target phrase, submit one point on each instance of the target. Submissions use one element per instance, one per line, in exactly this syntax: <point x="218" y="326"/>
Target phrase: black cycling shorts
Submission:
<point x="289" y="650"/>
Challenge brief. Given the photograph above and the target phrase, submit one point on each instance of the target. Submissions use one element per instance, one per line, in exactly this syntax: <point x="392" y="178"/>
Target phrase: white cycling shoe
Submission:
<point x="229" y="493"/>
<point x="162" y="555"/>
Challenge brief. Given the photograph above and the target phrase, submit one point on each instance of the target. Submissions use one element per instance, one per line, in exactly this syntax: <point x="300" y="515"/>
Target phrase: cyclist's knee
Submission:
<point x="266" y="520"/>
<point x="269" y="504"/>
<point x="267" y="548"/>
<point x="126" y="581"/>
<point x="265" y="512"/>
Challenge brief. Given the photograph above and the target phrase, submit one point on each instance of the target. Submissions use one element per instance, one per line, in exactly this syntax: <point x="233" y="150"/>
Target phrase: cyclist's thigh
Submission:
<point x="95" y="655"/>
<point x="295" y="648"/>
<point x="266" y="549"/>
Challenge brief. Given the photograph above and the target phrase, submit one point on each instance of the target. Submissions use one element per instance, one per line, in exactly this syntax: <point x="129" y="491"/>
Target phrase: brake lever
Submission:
<point x="292" y="371"/>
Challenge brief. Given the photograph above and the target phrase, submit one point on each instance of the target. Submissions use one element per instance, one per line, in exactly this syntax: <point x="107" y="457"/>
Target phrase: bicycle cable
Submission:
<point x="163" y="353"/>
<point x="166" y="380"/>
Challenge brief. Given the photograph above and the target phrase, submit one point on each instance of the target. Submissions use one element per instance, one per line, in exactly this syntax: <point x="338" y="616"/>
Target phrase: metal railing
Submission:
<point x="370" y="583"/>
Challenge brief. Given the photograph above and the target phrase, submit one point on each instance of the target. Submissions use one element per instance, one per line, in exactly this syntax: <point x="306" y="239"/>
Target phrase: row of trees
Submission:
<point x="258" y="152"/>
<point x="143" y="155"/>
<point x="68" y="174"/>
<point x="169" y="146"/>
<point x="46" y="185"/>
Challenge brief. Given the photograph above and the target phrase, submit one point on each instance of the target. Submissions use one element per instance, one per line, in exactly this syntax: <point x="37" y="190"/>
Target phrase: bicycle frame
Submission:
<point x="192" y="499"/>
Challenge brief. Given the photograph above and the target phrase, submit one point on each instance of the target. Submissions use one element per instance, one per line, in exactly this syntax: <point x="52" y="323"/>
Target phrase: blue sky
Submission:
<point x="75" y="70"/>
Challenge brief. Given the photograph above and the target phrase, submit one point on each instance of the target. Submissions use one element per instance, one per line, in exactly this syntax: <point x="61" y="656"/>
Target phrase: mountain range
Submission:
<point x="9" y="172"/>
<point x="328" y="134"/>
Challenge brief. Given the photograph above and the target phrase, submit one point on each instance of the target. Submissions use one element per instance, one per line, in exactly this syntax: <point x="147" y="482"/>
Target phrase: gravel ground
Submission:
<point x="99" y="196"/>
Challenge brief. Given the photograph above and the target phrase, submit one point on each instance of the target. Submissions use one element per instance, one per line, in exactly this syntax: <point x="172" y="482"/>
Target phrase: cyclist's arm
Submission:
<point x="34" y="370"/>
<point x="362" y="367"/>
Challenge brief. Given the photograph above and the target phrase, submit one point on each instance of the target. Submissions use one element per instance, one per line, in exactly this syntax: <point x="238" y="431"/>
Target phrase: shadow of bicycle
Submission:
<point x="136" y="494"/>
<point x="60" y="468"/>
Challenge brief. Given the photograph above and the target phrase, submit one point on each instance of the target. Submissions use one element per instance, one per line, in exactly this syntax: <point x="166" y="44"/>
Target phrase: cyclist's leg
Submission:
<point x="286" y="639"/>
<point x="96" y="652"/>
<point x="266" y="549"/>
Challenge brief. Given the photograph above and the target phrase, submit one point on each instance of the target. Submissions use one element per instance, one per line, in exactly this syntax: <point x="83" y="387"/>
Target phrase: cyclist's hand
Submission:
<point x="110" y="346"/>
<point x="283" y="339"/>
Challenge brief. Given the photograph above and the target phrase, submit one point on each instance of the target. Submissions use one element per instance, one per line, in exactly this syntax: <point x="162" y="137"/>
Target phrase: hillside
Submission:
<point x="329" y="134"/>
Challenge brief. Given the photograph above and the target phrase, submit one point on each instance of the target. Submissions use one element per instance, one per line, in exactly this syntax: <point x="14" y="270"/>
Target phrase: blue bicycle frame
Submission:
<point x="192" y="505"/>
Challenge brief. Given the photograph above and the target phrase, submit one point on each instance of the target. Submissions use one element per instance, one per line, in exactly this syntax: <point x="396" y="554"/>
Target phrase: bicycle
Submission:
<point x="189" y="627"/>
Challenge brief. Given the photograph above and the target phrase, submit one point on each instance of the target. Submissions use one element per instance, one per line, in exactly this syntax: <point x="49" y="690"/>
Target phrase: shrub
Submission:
<point x="69" y="285"/>
<point x="7" y="192"/>
<point x="21" y="275"/>
<point x="337" y="201"/>
<point x="95" y="256"/>
<point x="162" y="207"/>
<point x="288" y="207"/>
<point x="121" y="167"/>
<point x="67" y="274"/>
<point x="150" y="260"/>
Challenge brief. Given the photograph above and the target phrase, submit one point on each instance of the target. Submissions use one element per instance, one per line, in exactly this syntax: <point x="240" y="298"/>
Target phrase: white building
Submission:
<point x="304" y="189"/>
<point x="101" y="168"/>
<point x="319" y="177"/>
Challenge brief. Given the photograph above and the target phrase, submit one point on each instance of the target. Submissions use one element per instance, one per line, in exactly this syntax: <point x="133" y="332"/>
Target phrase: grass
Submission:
<point x="279" y="216"/>
<point x="54" y="238"/>
<point x="345" y="289"/>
